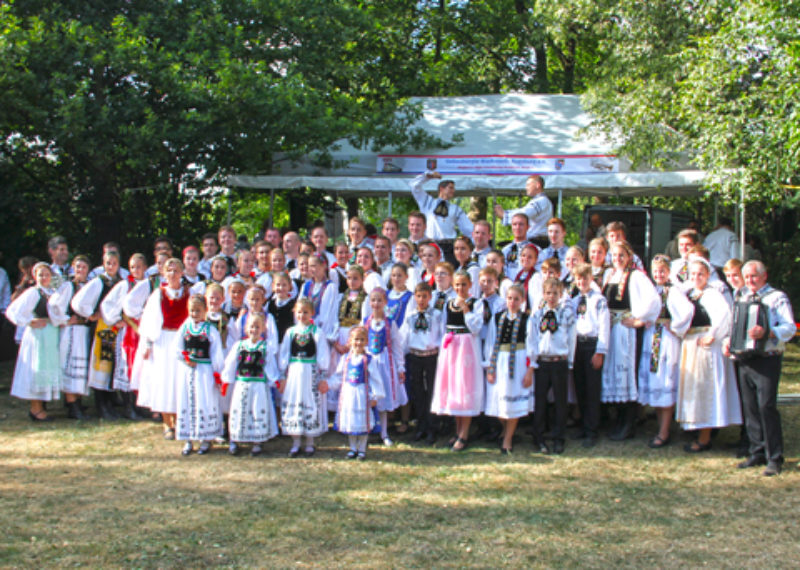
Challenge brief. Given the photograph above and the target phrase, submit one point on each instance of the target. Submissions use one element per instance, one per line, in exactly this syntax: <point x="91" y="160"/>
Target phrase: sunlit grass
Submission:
<point x="116" y="494"/>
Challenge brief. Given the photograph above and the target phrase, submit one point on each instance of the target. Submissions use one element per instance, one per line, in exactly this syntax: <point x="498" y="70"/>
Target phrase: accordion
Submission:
<point x="746" y="315"/>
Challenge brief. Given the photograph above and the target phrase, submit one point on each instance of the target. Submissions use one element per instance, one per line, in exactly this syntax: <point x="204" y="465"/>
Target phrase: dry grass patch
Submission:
<point x="117" y="494"/>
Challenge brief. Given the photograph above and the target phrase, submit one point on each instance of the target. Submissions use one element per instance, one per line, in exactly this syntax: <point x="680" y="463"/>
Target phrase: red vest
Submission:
<point x="174" y="311"/>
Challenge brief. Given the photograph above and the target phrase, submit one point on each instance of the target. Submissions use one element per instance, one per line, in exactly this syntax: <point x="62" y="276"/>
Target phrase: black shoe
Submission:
<point x="558" y="446"/>
<point x="74" y="411"/>
<point x="37" y="417"/>
<point x="187" y="449"/>
<point x="505" y="451"/>
<point x="309" y="451"/>
<point x="773" y="468"/>
<point x="697" y="447"/>
<point x="352" y="454"/>
<point x="293" y="453"/>
<point x="128" y="407"/>
<point x="256" y="450"/>
<point x="431" y="439"/>
<point x="658" y="443"/>
<point x="540" y="446"/>
<point x="204" y="448"/>
<point x="362" y="456"/>
<point x="589" y="441"/>
<point x="233" y="449"/>
<point x="753" y="461"/>
<point x="418" y="436"/>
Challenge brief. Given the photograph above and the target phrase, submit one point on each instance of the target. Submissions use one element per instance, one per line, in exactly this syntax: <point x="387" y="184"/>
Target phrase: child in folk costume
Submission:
<point x="659" y="367"/>
<point x="386" y="347"/>
<point x="352" y="311"/>
<point x="359" y="392"/>
<point x="234" y="294"/>
<point x="399" y="296"/>
<point x="339" y="274"/>
<point x="398" y="300"/>
<point x="218" y="272"/>
<point x="429" y="256"/>
<point x="303" y="355"/>
<point x="550" y="269"/>
<point x="509" y="394"/>
<point x="166" y="310"/>
<point x="254" y="301"/>
<point x="74" y="343"/>
<point x="459" y="388"/>
<point x="598" y="250"/>
<point x="553" y="348"/>
<point x="422" y="331"/>
<point x="404" y="253"/>
<point x="252" y="369"/>
<point x="36" y="373"/>
<point x="443" y="278"/>
<point x="632" y="302"/>
<point x="228" y="333"/>
<point x="572" y="259"/>
<point x="527" y="277"/>
<point x="105" y="352"/>
<point x="281" y="303"/>
<point x="462" y="250"/>
<point x="323" y="294"/>
<point x="496" y="261"/>
<point x="191" y="259"/>
<point x="198" y="348"/>
<point x="592" y="325"/>
<point x="707" y="393"/>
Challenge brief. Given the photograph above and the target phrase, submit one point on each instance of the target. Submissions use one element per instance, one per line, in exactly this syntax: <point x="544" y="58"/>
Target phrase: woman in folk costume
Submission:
<point x="252" y="369"/>
<point x="323" y="294"/>
<point x="198" y="349"/>
<point x="632" y="302"/>
<point x="112" y="309"/>
<point x="404" y="253"/>
<point x="659" y="367"/>
<point x="707" y="393"/>
<point x="106" y="352"/>
<point x="74" y="343"/>
<point x="508" y="349"/>
<point x="359" y="393"/>
<point x="165" y="311"/>
<point x="459" y="387"/>
<point x="228" y="333"/>
<point x="37" y="373"/>
<point x="303" y="355"/>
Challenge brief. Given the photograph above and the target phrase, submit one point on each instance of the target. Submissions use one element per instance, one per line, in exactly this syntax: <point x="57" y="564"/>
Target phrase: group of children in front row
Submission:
<point x="459" y="349"/>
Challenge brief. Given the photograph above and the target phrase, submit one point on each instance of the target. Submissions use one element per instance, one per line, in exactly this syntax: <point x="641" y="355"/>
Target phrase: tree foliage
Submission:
<point x="712" y="82"/>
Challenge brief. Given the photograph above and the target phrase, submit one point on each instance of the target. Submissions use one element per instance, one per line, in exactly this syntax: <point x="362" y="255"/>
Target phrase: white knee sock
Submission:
<point x="362" y="443"/>
<point x="296" y="442"/>
<point x="384" y="424"/>
<point x="353" y="441"/>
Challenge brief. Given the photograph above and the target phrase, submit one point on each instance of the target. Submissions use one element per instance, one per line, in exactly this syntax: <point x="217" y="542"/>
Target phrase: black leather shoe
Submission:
<point x="418" y="436"/>
<point x="38" y="417"/>
<point x="352" y="454"/>
<point x="753" y="461"/>
<point x="204" y="448"/>
<point x="558" y="446"/>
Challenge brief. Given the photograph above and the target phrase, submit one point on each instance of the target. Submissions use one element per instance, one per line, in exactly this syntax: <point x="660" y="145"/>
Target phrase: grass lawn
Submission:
<point x="116" y="494"/>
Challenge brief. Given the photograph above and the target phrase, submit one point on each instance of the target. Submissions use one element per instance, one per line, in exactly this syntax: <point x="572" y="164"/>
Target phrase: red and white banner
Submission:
<point x="498" y="164"/>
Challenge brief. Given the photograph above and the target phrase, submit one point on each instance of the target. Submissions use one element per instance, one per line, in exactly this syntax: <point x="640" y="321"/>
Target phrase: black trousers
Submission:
<point x="588" y="384"/>
<point x="758" y="384"/>
<point x="550" y="375"/>
<point x="420" y="376"/>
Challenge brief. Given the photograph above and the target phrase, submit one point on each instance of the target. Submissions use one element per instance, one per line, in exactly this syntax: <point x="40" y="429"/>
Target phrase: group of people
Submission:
<point x="245" y="344"/>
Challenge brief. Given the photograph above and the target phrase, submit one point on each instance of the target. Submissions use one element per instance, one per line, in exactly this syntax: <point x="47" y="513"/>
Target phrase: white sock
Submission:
<point x="384" y="424"/>
<point x="296" y="442"/>
<point x="362" y="443"/>
<point x="353" y="441"/>
<point x="309" y="442"/>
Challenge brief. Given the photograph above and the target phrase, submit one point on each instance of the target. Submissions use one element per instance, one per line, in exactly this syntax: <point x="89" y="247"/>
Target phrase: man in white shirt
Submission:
<point x="443" y="218"/>
<point x="556" y="232"/>
<point x="722" y="244"/>
<point x="538" y="210"/>
<point x="481" y="236"/>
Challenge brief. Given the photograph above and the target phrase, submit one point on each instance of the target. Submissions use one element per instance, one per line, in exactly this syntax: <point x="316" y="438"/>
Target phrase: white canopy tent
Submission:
<point x="520" y="134"/>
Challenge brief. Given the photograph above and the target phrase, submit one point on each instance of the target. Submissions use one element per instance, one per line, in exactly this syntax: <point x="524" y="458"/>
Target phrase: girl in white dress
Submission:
<point x="459" y="387"/>
<point x="707" y="393"/>
<point x="74" y="342"/>
<point x="366" y="260"/>
<point x="36" y="374"/>
<point x="304" y="353"/>
<point x="386" y="347"/>
<point x="659" y="367"/>
<point x="509" y="389"/>
<point x="359" y="392"/>
<point x="198" y="349"/>
<point x="404" y="253"/>
<point x="253" y="371"/>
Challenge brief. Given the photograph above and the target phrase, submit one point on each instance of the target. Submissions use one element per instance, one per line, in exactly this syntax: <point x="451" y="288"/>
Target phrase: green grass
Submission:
<point x="116" y="494"/>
